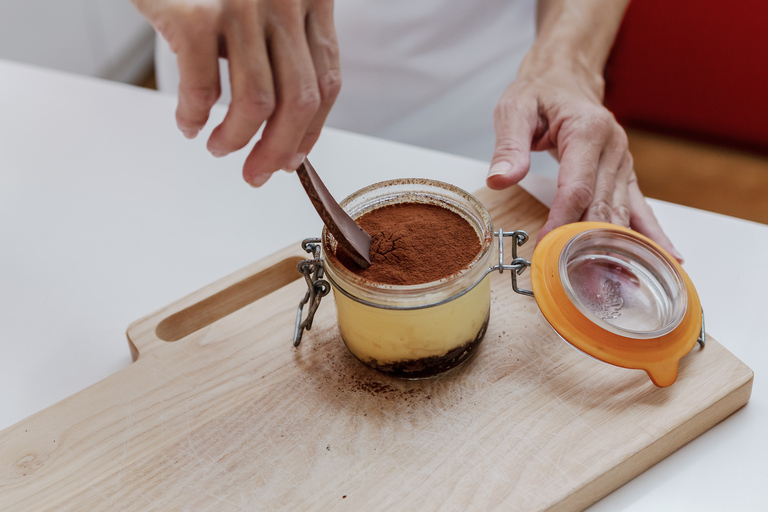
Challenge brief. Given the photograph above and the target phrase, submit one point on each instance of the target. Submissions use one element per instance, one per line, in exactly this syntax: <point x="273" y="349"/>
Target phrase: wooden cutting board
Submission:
<point x="220" y="412"/>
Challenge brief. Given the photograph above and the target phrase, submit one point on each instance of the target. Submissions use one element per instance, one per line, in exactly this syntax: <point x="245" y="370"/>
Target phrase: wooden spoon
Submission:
<point x="350" y="236"/>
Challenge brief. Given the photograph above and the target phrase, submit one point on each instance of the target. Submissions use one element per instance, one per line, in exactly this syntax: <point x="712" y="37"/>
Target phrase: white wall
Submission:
<point x="104" y="38"/>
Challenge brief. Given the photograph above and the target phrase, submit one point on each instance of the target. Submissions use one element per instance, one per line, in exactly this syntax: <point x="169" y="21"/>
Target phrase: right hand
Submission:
<point x="284" y="71"/>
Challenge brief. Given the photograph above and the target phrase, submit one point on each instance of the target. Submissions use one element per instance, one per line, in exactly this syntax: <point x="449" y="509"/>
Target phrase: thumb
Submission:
<point x="515" y="127"/>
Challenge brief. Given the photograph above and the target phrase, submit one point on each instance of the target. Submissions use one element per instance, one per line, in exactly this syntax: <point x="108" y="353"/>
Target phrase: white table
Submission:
<point x="107" y="213"/>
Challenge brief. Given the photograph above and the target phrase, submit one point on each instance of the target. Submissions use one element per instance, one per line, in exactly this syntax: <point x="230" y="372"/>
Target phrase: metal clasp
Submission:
<point x="317" y="287"/>
<point x="702" y="339"/>
<point x="518" y="264"/>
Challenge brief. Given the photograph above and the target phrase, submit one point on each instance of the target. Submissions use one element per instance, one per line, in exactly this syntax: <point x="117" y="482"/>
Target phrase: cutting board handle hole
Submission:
<point x="227" y="301"/>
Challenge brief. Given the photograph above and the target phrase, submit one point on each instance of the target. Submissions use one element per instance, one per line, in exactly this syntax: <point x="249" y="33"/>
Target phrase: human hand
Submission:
<point x="284" y="71"/>
<point x="559" y="108"/>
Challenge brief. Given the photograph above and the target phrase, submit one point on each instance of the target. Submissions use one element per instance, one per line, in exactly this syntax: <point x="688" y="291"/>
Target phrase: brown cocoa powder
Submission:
<point x="414" y="243"/>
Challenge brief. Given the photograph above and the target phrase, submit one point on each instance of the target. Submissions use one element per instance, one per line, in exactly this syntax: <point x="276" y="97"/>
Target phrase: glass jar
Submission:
<point x="609" y="291"/>
<point x="421" y="330"/>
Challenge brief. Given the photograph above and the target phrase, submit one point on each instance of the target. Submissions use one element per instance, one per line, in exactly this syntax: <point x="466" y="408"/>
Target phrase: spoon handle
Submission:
<point x="350" y="236"/>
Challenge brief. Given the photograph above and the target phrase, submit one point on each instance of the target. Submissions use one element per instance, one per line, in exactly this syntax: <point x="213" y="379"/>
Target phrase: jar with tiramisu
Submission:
<point x="423" y="305"/>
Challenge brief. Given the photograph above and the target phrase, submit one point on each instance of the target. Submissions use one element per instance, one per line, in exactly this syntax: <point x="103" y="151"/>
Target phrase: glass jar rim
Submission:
<point x="410" y="190"/>
<point x="644" y="262"/>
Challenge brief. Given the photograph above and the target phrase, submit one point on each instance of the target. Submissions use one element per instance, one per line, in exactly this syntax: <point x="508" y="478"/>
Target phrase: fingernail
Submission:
<point x="500" y="169"/>
<point x="218" y="153"/>
<point x="259" y="179"/>
<point x="676" y="255"/>
<point x="190" y="134"/>
<point x="295" y="162"/>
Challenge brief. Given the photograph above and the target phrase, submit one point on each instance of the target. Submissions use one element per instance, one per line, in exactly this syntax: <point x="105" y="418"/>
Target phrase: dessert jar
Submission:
<point x="420" y="330"/>
<point x="609" y="291"/>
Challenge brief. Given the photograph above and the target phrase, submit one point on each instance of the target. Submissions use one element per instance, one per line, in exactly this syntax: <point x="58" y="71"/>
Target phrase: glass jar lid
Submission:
<point x="617" y="296"/>
<point x="622" y="284"/>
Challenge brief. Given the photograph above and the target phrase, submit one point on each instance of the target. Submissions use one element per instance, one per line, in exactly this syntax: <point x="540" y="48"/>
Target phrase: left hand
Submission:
<point x="560" y="110"/>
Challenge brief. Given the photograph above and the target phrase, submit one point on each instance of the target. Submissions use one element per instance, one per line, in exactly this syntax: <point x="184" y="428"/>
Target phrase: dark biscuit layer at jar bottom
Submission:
<point x="430" y="366"/>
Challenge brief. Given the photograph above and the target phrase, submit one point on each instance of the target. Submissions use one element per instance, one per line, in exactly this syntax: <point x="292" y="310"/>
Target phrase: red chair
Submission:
<point x="693" y="68"/>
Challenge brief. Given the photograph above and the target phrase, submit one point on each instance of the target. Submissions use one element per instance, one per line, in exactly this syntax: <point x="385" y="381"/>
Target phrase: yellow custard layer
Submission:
<point x="387" y="336"/>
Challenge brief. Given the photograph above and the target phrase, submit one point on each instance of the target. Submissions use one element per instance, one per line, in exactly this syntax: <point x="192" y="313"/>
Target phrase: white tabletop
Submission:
<point x="107" y="213"/>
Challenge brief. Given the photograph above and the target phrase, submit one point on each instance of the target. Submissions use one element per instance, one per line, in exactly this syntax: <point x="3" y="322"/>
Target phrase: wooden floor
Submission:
<point x="148" y="80"/>
<point x="703" y="176"/>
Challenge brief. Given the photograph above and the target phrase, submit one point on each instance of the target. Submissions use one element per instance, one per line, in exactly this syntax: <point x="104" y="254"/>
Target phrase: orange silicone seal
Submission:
<point x="658" y="357"/>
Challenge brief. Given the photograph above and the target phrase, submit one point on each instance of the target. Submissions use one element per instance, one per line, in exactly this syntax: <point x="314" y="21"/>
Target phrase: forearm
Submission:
<point x="576" y="35"/>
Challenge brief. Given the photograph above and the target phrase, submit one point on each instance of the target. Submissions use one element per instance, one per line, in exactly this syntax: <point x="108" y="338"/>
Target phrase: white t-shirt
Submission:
<point x="424" y="72"/>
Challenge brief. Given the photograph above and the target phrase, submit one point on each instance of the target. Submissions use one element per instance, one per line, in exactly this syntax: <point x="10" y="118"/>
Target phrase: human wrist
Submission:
<point x="562" y="64"/>
<point x="573" y="41"/>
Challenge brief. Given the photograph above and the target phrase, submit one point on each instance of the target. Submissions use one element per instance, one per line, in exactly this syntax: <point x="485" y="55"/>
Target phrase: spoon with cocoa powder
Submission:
<point x="351" y="238"/>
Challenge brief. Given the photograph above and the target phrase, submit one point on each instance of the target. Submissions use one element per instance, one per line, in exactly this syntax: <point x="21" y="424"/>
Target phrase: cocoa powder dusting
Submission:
<point x="414" y="243"/>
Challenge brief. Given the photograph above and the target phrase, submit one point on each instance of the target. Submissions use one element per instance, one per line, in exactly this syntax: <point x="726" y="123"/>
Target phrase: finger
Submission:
<point x="323" y="46"/>
<point x="298" y="100"/>
<point x="515" y="122"/>
<point x="199" y="86"/>
<point x="575" y="182"/>
<point x="620" y="213"/>
<point x="643" y="220"/>
<point x="610" y="165"/>
<point x="251" y="82"/>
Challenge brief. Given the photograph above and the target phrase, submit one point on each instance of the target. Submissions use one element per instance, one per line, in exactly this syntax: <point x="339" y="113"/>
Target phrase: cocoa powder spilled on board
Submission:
<point x="414" y="243"/>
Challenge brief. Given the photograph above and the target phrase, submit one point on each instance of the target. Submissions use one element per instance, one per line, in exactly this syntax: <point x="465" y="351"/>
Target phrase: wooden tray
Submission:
<point x="219" y="412"/>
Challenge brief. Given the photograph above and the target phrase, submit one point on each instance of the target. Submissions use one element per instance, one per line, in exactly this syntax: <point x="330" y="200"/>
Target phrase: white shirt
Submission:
<point x="424" y="72"/>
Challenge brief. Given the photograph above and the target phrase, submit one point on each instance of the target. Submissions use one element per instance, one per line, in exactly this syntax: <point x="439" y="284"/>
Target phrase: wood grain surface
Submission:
<point x="230" y="416"/>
